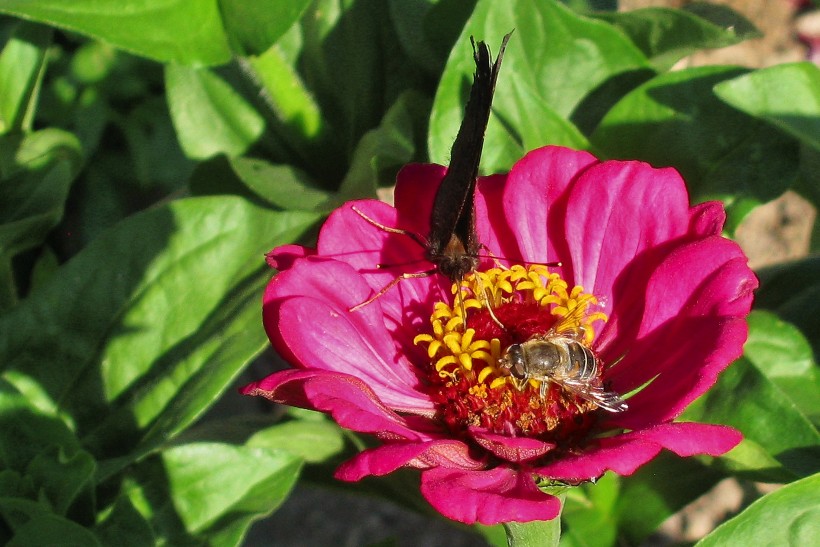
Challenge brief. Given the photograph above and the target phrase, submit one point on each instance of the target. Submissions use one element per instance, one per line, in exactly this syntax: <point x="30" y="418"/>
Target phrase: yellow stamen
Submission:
<point x="456" y="353"/>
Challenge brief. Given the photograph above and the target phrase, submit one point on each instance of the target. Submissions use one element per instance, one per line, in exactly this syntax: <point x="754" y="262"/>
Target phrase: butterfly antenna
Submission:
<point x="497" y="259"/>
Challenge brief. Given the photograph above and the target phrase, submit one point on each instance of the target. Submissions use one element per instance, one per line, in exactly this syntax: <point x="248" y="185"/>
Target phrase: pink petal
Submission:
<point x="348" y="400"/>
<point x="707" y="219"/>
<point x="621" y="454"/>
<point x="689" y="438"/>
<point x="487" y="497"/>
<point x="693" y="326"/>
<point x="381" y="258"/>
<point x="282" y="258"/>
<point x="416" y="187"/>
<point x="491" y="223"/>
<point x="385" y="459"/>
<point x="318" y="331"/>
<point x="379" y="255"/>
<point x="624" y="454"/>
<point x="511" y="449"/>
<point x="616" y="211"/>
<point x="534" y="199"/>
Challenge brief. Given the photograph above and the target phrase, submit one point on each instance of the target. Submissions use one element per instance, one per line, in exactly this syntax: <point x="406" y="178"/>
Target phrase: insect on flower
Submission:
<point x="441" y="389"/>
<point x="561" y="356"/>
<point x="452" y="244"/>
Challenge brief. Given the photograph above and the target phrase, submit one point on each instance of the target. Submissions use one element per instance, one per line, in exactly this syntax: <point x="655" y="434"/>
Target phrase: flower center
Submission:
<point x="520" y="363"/>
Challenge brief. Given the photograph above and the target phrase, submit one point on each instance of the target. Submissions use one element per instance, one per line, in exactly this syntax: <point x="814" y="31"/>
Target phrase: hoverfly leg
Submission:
<point x="616" y="361"/>
<point x="518" y="383"/>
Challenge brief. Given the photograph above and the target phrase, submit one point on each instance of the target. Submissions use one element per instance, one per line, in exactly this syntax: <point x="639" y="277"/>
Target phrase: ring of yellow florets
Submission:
<point x="491" y="310"/>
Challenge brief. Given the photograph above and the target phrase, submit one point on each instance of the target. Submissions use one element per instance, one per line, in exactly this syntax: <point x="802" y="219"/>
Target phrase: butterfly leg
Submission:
<point x="412" y="235"/>
<point x="389" y="286"/>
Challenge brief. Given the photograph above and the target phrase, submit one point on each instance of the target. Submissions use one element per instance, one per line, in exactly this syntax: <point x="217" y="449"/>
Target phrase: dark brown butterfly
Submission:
<point x="452" y="244"/>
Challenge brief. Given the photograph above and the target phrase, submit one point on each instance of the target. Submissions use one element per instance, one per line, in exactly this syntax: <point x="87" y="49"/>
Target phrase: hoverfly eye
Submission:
<point x="514" y="360"/>
<point x="511" y="357"/>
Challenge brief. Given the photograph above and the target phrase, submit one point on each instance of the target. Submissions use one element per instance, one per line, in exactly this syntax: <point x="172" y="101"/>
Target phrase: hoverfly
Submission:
<point x="561" y="356"/>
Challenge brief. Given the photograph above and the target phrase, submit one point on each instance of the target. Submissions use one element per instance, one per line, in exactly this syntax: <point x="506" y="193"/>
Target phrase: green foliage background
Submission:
<point x="152" y="151"/>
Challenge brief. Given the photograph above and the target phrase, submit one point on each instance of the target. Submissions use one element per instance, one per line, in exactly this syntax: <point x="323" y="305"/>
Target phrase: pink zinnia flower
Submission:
<point x="664" y="297"/>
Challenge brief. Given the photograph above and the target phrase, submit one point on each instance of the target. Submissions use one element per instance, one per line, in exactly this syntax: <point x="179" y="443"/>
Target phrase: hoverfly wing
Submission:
<point x="607" y="400"/>
<point x="452" y="220"/>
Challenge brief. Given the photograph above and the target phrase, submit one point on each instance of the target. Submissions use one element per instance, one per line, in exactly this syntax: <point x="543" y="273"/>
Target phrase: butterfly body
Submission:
<point x="452" y="242"/>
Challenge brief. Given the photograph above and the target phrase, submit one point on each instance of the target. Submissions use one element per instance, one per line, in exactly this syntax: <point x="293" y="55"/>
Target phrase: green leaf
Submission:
<point x="349" y="56"/>
<point x="442" y="25"/>
<point x="589" y="514"/>
<point x="312" y="441"/>
<point x="295" y="108"/>
<point x="36" y="171"/>
<point x="209" y="115"/>
<point x="61" y="477"/>
<point x="808" y="186"/>
<point x="384" y="150"/>
<point x="35" y="395"/>
<point x="158" y="161"/>
<point x="784" y="356"/>
<point x="26" y="431"/>
<point x="667" y="35"/>
<point x="226" y="342"/>
<point x="283" y="186"/>
<point x="590" y="5"/>
<point x="182" y="31"/>
<point x="212" y="490"/>
<point x="22" y="64"/>
<point x="792" y="291"/>
<point x="676" y="120"/>
<point x="554" y="59"/>
<point x="124" y="526"/>
<point x="658" y="490"/>
<point x="746" y="399"/>
<point x="533" y="123"/>
<point x="156" y="316"/>
<point x="93" y="62"/>
<point x="788" y="516"/>
<point x="43" y="453"/>
<point x="410" y="17"/>
<point x="17" y="511"/>
<point x="787" y="96"/>
<point x="253" y="26"/>
<point x="53" y="530"/>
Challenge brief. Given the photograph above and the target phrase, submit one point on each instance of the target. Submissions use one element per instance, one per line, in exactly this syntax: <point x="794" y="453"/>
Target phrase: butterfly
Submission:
<point x="452" y="244"/>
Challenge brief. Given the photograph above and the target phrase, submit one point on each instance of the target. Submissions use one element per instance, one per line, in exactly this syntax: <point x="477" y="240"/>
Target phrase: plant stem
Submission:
<point x="540" y="533"/>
